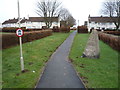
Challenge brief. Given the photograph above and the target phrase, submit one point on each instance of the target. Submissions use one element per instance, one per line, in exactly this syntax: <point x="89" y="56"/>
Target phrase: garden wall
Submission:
<point x="111" y="40"/>
<point x="9" y="40"/>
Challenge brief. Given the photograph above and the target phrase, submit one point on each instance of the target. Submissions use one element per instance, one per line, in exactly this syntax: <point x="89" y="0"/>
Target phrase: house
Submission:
<point x="63" y="24"/>
<point x="0" y="26"/>
<point x="13" y="23"/>
<point x="85" y="23"/>
<point x="101" y="23"/>
<point x="38" y="22"/>
<point x="31" y="22"/>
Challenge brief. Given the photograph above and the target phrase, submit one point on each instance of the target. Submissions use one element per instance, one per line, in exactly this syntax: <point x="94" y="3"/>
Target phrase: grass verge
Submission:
<point x="35" y="54"/>
<point x="95" y="73"/>
<point x="0" y="69"/>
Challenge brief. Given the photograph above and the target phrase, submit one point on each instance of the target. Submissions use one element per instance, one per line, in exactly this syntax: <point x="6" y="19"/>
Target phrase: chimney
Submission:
<point x="28" y="16"/>
<point x="89" y="16"/>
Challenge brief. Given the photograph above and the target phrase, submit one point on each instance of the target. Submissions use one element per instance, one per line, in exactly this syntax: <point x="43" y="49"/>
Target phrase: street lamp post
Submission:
<point x="20" y="39"/>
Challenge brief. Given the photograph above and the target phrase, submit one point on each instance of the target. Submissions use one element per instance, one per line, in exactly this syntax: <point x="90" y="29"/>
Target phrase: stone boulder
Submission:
<point x="92" y="47"/>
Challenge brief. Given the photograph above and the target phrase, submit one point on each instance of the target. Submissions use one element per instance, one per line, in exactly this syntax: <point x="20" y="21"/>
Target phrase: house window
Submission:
<point x="110" y="23"/>
<point x="98" y="27"/>
<point x="28" y="22"/>
<point x="99" y="23"/>
<point x="103" y="23"/>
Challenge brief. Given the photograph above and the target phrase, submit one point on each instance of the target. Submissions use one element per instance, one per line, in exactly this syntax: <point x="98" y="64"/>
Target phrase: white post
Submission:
<point x="20" y="39"/>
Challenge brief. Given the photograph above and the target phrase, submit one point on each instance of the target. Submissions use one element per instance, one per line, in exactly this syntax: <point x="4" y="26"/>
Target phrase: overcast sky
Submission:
<point x="80" y="9"/>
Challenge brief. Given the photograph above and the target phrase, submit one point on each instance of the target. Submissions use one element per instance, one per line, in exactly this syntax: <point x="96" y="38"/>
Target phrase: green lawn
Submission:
<point x="0" y="69"/>
<point x="95" y="73"/>
<point x="36" y="54"/>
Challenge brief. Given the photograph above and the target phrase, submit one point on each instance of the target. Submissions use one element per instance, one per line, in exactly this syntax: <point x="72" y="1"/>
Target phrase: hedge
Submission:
<point x="56" y="29"/>
<point x="65" y="29"/>
<point x="61" y="29"/>
<point x="82" y="29"/>
<point x="113" y="32"/>
<point x="13" y="29"/>
<point x="9" y="40"/>
<point x="73" y="28"/>
<point x="112" y="40"/>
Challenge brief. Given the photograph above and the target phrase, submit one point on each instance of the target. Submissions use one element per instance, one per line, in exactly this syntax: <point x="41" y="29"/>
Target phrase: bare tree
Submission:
<point x="63" y="14"/>
<point x="112" y="9"/>
<point x="48" y="9"/>
<point x="71" y="21"/>
<point x="66" y="16"/>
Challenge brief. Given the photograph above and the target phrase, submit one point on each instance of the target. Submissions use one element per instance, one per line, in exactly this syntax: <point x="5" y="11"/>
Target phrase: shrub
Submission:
<point x="111" y="40"/>
<point x="82" y="29"/>
<point x="113" y="32"/>
<point x="13" y="29"/>
<point x="64" y="29"/>
<point x="9" y="40"/>
<point x="56" y="29"/>
<point x="33" y="29"/>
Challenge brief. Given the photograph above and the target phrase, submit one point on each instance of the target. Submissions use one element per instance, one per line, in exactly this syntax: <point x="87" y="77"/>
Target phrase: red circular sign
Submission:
<point x="19" y="32"/>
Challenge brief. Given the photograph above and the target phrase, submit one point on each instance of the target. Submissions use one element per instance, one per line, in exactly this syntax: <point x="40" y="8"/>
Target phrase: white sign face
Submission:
<point x="19" y="32"/>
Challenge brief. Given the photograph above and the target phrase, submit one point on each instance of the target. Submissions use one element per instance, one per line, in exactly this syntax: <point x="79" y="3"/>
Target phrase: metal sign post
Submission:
<point x="20" y="39"/>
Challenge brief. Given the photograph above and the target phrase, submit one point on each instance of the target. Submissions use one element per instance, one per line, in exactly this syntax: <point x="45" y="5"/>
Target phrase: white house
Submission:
<point x="0" y="25"/>
<point x="101" y="23"/>
<point x="31" y="22"/>
<point x="38" y="22"/>
<point x="13" y="23"/>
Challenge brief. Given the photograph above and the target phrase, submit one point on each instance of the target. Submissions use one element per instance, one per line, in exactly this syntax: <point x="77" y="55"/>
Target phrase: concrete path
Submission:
<point x="59" y="72"/>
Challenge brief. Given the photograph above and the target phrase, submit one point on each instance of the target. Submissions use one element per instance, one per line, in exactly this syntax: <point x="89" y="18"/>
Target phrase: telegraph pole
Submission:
<point x="20" y="39"/>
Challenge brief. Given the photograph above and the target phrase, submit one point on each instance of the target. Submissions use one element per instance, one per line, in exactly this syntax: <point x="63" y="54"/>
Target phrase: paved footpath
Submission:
<point x="59" y="72"/>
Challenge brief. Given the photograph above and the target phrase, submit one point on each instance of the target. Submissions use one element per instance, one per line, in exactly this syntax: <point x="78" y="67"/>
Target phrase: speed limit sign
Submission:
<point x="19" y="32"/>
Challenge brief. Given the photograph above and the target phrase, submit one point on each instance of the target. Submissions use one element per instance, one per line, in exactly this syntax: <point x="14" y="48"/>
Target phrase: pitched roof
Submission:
<point x="14" y="21"/>
<point x="10" y="21"/>
<point x="23" y="20"/>
<point x="42" y="19"/>
<point x="32" y="19"/>
<point x="103" y="19"/>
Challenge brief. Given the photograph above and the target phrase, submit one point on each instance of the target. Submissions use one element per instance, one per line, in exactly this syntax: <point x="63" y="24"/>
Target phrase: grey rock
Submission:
<point x="92" y="47"/>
